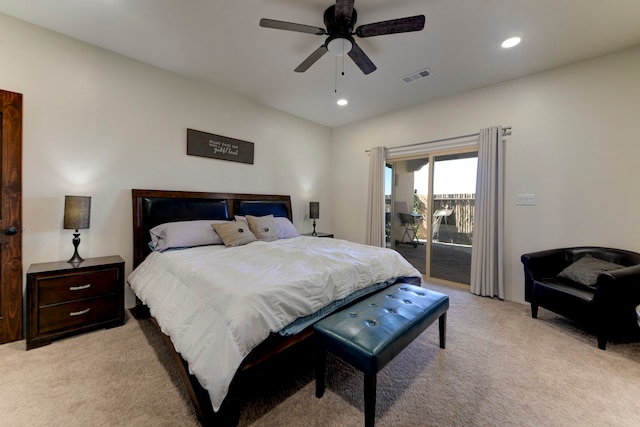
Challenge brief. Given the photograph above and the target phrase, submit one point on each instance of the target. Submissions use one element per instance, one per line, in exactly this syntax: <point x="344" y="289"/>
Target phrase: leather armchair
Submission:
<point x="608" y="308"/>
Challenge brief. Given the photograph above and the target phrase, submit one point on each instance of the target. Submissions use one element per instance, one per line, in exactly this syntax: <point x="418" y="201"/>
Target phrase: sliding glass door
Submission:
<point x="430" y="213"/>
<point x="454" y="184"/>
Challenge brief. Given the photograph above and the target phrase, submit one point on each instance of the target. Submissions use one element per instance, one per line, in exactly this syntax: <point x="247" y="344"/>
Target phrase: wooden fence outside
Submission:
<point x="457" y="227"/>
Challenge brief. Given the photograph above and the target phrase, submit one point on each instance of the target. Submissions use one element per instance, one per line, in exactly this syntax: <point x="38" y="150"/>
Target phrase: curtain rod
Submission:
<point x="506" y="131"/>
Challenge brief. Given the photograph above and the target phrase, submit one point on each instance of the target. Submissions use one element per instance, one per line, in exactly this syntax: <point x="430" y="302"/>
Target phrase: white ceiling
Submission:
<point x="220" y="41"/>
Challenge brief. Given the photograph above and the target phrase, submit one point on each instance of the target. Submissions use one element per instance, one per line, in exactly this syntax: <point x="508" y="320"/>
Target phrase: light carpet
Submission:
<point x="500" y="368"/>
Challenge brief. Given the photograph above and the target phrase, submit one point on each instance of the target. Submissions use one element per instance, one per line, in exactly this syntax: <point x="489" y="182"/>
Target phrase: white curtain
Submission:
<point x="487" y="254"/>
<point x="375" y="209"/>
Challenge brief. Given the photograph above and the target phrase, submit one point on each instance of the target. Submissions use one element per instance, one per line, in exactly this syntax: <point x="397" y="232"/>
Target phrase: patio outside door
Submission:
<point x="430" y="213"/>
<point x="454" y="184"/>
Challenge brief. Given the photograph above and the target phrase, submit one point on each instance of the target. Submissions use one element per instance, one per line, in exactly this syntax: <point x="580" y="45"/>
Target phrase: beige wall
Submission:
<point x="575" y="145"/>
<point x="99" y="124"/>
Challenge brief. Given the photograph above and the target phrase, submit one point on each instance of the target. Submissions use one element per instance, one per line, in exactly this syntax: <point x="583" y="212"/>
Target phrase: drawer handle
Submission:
<point x="79" y="313"/>
<point x="79" y="288"/>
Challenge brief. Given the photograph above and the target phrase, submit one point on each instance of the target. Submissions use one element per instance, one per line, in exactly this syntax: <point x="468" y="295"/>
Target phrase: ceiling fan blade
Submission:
<point x="290" y="26"/>
<point x="311" y="59"/>
<point x="393" y="26"/>
<point x="361" y="59"/>
<point x="344" y="10"/>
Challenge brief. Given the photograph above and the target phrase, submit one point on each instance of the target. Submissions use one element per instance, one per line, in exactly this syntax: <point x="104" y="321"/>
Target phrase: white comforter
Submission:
<point x="218" y="303"/>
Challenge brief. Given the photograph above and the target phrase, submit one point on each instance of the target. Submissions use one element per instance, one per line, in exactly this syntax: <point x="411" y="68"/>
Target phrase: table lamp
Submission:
<point x="77" y="213"/>
<point x="314" y="213"/>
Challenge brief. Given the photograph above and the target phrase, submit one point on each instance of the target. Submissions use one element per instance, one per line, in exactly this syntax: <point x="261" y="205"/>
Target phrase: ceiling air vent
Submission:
<point x="416" y="76"/>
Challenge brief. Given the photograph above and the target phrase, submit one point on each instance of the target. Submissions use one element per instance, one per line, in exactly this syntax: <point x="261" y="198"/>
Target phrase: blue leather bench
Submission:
<point x="369" y="334"/>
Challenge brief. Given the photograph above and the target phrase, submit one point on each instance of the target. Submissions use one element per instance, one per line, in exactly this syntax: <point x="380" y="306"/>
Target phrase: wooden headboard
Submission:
<point x="154" y="207"/>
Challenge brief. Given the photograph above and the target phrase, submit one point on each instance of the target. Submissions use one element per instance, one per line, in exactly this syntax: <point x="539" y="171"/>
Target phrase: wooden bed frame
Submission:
<point x="154" y="207"/>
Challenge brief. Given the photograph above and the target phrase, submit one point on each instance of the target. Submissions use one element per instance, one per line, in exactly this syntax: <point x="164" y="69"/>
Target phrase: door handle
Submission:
<point x="10" y="231"/>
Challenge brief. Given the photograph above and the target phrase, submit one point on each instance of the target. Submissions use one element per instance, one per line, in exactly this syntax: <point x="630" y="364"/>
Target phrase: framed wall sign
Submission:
<point x="205" y="144"/>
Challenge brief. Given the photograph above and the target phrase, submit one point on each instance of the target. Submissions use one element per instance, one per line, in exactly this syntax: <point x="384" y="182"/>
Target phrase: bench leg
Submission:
<point x="369" y="400"/>
<point x="321" y="366"/>
<point x="442" y="326"/>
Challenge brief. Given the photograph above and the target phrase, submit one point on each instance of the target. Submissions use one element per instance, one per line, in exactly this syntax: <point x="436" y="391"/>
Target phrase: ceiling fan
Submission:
<point x="339" y="20"/>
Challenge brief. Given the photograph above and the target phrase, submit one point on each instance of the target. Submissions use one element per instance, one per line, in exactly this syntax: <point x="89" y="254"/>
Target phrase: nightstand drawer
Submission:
<point x="63" y="288"/>
<point x="74" y="314"/>
<point x="65" y="299"/>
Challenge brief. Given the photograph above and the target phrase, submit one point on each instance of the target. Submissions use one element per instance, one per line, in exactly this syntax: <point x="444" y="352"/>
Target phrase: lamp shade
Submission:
<point x="77" y="212"/>
<point x="314" y="210"/>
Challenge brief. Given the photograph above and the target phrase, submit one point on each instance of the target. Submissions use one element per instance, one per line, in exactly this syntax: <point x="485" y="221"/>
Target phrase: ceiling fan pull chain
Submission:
<point x="335" y="75"/>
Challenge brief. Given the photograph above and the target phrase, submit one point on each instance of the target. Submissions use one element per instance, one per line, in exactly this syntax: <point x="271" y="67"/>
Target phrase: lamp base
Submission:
<point x="76" y="258"/>
<point x="314" y="228"/>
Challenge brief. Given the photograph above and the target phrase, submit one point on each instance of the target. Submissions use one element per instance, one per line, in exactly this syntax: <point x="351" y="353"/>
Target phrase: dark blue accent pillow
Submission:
<point x="260" y="208"/>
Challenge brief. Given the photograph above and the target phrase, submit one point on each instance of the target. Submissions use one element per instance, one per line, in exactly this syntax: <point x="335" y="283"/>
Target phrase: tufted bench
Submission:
<point x="369" y="334"/>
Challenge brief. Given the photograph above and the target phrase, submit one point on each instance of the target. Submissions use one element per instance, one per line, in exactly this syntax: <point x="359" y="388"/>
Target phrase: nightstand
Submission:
<point x="64" y="300"/>
<point x="319" y="234"/>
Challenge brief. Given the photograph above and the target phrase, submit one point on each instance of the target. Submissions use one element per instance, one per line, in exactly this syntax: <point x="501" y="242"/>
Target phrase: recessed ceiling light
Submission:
<point x="511" y="42"/>
<point x="342" y="102"/>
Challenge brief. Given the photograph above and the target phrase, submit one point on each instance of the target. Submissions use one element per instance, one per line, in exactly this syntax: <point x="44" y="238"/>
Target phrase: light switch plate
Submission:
<point x="526" y="199"/>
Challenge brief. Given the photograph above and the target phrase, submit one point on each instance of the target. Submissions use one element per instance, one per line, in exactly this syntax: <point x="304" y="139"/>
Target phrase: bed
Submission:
<point x="225" y="308"/>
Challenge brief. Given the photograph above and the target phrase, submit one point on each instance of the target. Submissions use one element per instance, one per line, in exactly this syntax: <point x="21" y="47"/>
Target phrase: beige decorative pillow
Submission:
<point x="234" y="233"/>
<point x="264" y="227"/>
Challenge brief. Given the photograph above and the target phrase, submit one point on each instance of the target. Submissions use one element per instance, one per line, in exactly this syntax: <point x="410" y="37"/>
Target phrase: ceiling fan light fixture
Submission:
<point x="339" y="46"/>
<point x="511" y="42"/>
<point x="342" y="102"/>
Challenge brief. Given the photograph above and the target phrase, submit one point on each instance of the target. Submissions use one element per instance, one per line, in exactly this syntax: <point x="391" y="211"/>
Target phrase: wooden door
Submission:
<point x="10" y="216"/>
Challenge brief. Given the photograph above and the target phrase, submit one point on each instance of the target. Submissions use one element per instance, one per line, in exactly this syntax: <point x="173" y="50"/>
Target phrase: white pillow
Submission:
<point x="184" y="234"/>
<point x="284" y="227"/>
